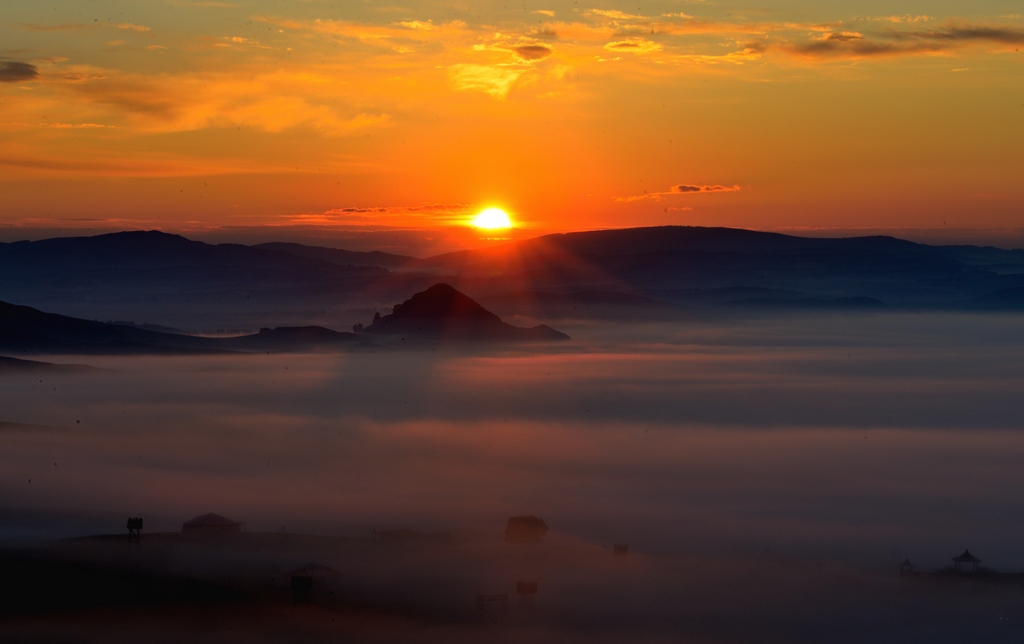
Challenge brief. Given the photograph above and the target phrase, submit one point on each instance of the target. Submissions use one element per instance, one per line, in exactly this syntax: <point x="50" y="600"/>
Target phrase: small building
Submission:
<point x="966" y="559"/>
<point x="211" y="524"/>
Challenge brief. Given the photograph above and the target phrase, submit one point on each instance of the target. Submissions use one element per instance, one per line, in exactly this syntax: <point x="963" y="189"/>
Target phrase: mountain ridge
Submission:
<point x="177" y="282"/>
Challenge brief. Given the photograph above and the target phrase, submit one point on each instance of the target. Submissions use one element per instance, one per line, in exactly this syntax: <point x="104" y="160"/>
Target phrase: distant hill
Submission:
<point x="680" y="264"/>
<point x="155" y="277"/>
<point x="580" y="305"/>
<point x="443" y="313"/>
<point x="1007" y="299"/>
<point x="17" y="365"/>
<point x="339" y="256"/>
<point x="439" y="313"/>
<point x="25" y="330"/>
<point x="168" y="281"/>
<point x="290" y="339"/>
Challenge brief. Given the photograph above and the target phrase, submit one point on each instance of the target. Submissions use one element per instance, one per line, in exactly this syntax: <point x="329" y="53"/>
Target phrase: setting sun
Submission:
<point x="492" y="219"/>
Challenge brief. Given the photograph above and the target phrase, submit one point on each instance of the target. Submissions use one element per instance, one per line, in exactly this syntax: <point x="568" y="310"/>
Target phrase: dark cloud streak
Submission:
<point x="967" y="34"/>
<point x="12" y="71"/>
<point x="900" y="43"/>
<point x="533" y="52"/>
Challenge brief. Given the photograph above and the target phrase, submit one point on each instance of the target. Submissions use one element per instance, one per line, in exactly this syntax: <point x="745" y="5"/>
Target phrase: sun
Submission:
<point x="492" y="219"/>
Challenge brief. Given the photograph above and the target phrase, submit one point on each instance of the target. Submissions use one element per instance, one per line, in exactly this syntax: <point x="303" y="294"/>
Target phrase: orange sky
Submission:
<point x="332" y="119"/>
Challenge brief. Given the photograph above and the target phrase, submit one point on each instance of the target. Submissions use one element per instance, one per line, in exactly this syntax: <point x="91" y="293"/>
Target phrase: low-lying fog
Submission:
<point x="862" y="439"/>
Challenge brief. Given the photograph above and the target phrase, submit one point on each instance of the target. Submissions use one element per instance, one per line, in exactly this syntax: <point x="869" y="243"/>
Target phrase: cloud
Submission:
<point x="62" y="27"/>
<point x="533" y="52"/>
<point x="423" y="25"/>
<point x="410" y="31"/>
<point x="208" y="4"/>
<point x="545" y="12"/>
<point x="56" y="126"/>
<point x="686" y="188"/>
<point x="494" y="80"/>
<point x="852" y="43"/>
<point x="906" y="18"/>
<point x="635" y="46"/>
<point x="680" y="189"/>
<point x="614" y="14"/>
<point x="12" y="71"/>
<point x="128" y="25"/>
<point x="126" y="166"/>
<point x="841" y="43"/>
<point x="457" y="208"/>
<point x="967" y="33"/>
<point x="272" y="102"/>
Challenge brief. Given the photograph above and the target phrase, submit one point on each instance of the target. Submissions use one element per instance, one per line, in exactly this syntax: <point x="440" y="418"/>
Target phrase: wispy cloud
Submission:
<point x="162" y="165"/>
<point x="208" y="4"/>
<point x="896" y="42"/>
<point x="633" y="46"/>
<point x="906" y="18"/>
<point x="385" y="217"/>
<point x="680" y="189"/>
<point x="59" y="27"/>
<point x="614" y="14"/>
<point x="493" y="80"/>
<point x="56" y="126"/>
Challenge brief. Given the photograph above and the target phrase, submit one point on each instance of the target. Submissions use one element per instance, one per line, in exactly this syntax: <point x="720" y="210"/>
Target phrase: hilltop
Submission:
<point x="441" y="312"/>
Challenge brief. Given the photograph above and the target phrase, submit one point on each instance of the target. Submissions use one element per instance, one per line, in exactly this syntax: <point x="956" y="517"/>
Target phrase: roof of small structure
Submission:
<point x="314" y="570"/>
<point x="210" y="519"/>
<point x="966" y="557"/>
<point x="906" y="563"/>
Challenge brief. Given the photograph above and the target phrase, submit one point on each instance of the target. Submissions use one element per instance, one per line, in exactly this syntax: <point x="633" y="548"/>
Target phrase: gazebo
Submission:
<point x="966" y="558"/>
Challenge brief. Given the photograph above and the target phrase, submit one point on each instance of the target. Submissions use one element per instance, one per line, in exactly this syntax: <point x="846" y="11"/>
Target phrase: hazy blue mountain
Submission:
<point x="339" y="256"/>
<point x="1007" y="299"/>
<point x="166" y="279"/>
<point x="680" y="265"/>
<point x="580" y="305"/>
<point x="157" y="278"/>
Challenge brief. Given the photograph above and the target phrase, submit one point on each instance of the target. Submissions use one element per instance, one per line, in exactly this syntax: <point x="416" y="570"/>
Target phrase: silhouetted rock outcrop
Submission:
<point x="441" y="312"/>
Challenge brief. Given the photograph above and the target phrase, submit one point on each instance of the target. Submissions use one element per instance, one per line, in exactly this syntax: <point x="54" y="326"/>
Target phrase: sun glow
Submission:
<point x="492" y="219"/>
